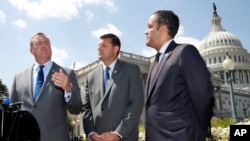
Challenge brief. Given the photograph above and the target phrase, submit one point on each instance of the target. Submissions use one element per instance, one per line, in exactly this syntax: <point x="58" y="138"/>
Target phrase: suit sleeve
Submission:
<point x="75" y="104"/>
<point x="13" y="93"/>
<point x="198" y="80"/>
<point x="88" y="122"/>
<point x="134" y="108"/>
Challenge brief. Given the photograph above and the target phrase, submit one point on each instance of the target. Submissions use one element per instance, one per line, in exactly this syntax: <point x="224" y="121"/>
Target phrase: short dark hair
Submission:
<point x="170" y="19"/>
<point x="115" y="41"/>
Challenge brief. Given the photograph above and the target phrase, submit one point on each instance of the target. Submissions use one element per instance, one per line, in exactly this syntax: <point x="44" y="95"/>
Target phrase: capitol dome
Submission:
<point x="218" y="37"/>
<point x="214" y="48"/>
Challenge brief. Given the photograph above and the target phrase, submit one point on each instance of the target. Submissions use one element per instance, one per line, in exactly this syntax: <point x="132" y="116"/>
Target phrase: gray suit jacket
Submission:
<point x="120" y="108"/>
<point x="50" y="110"/>
<point x="179" y="103"/>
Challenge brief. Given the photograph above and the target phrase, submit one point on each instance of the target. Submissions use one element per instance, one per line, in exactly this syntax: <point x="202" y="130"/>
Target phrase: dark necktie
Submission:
<point x="39" y="82"/>
<point x="155" y="65"/>
<point x="106" y="78"/>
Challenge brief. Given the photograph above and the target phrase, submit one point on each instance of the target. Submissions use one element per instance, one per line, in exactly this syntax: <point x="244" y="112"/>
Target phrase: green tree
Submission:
<point x="3" y="90"/>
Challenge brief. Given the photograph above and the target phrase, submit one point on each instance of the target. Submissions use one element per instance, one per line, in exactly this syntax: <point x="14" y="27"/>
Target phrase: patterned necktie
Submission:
<point x="155" y="65"/>
<point x="39" y="82"/>
<point x="106" y="78"/>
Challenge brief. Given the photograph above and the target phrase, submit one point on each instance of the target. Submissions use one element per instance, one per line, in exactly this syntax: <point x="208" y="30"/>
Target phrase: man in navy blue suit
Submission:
<point x="179" y="96"/>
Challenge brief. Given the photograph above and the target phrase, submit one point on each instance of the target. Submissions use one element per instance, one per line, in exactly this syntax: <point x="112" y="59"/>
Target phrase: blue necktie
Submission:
<point x="106" y="77"/>
<point x="39" y="82"/>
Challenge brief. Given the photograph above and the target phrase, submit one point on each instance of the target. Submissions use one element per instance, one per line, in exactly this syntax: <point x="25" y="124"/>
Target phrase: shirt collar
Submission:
<point x="111" y="66"/>
<point x="47" y="65"/>
<point x="164" y="48"/>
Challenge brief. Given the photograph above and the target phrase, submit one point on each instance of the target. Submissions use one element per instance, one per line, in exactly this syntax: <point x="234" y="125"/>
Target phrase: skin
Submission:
<point x="156" y="35"/>
<point x="41" y="50"/>
<point x="107" y="53"/>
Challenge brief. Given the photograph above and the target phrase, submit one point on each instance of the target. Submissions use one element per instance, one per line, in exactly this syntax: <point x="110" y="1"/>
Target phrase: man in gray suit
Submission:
<point x="179" y="103"/>
<point x="112" y="113"/>
<point x="59" y="92"/>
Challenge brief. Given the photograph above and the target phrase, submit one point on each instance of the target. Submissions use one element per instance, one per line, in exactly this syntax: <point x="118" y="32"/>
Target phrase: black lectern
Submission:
<point x="17" y="124"/>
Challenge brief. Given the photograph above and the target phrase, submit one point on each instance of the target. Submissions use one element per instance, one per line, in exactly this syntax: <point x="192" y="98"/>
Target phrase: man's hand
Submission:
<point x="110" y="136"/>
<point x="95" y="137"/>
<point x="60" y="79"/>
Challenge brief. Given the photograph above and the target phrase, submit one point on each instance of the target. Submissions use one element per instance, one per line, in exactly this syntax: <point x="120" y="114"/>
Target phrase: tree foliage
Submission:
<point x="3" y="89"/>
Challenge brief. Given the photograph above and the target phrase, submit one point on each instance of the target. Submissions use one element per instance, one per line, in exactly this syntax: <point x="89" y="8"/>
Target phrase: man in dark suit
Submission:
<point x="179" y="93"/>
<point x="59" y="91"/>
<point x="112" y="113"/>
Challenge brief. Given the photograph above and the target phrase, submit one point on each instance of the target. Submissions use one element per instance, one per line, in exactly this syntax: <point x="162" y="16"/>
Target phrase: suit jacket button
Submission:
<point x="102" y="109"/>
<point x="34" y="106"/>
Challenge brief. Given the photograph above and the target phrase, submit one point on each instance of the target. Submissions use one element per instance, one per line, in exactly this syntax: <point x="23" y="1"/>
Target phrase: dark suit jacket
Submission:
<point x="50" y="110"/>
<point x="120" y="108"/>
<point x="179" y="103"/>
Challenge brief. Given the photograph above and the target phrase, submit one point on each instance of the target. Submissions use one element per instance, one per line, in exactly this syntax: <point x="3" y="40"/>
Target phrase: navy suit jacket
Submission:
<point x="179" y="100"/>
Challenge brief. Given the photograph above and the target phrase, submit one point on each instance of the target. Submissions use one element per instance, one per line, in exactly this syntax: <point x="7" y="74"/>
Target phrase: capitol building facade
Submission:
<point x="213" y="48"/>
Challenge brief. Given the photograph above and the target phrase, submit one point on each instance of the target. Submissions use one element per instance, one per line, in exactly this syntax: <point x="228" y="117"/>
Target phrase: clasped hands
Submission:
<point x="107" y="136"/>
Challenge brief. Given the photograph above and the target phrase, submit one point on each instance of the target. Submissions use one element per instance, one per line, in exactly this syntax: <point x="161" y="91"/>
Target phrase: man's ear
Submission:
<point x="31" y="50"/>
<point x="117" y="48"/>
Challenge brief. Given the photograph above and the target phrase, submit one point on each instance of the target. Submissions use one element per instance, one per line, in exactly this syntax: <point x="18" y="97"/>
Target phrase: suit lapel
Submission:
<point x="164" y="59"/>
<point x="160" y="66"/>
<point x="29" y="76"/>
<point x="114" y="74"/>
<point x="48" y="81"/>
<point x="100" y="86"/>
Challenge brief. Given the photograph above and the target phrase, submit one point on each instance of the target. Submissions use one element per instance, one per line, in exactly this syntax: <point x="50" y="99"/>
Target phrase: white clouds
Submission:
<point x="89" y="14"/>
<point x="20" y="23"/>
<point x="189" y="40"/>
<point x="148" y="52"/>
<point x="110" y="28"/>
<point x="109" y="4"/>
<point x="179" y="38"/>
<point x="63" y="9"/>
<point x="77" y="65"/>
<point x="180" y="31"/>
<point x="59" y="55"/>
<point x="2" y="17"/>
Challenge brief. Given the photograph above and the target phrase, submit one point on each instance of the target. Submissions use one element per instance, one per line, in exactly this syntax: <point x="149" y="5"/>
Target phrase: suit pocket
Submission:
<point x="177" y="124"/>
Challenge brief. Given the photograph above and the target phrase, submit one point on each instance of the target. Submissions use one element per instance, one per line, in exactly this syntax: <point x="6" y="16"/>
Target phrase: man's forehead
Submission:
<point x="40" y="38"/>
<point x="152" y="18"/>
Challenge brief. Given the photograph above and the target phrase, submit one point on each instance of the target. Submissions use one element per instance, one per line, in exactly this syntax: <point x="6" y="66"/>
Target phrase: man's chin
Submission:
<point x="147" y="44"/>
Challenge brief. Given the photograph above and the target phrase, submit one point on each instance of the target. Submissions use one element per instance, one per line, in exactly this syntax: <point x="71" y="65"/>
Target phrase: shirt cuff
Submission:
<point x="67" y="96"/>
<point x="118" y="134"/>
<point x="90" y="135"/>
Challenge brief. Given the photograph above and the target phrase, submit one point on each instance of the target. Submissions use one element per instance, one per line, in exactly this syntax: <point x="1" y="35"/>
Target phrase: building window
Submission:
<point x="234" y="78"/>
<point x="239" y="58"/>
<point x="222" y="78"/>
<point x="247" y="77"/>
<point x="220" y="60"/>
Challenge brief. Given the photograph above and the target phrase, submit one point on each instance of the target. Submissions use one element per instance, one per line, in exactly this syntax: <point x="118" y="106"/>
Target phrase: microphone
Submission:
<point x="16" y="105"/>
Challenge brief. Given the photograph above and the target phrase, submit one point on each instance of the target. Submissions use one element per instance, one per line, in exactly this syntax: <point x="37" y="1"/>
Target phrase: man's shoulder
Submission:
<point x="128" y="64"/>
<point x="24" y="71"/>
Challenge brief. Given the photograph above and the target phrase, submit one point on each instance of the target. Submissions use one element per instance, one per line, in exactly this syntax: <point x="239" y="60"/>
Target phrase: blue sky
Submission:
<point x="74" y="26"/>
